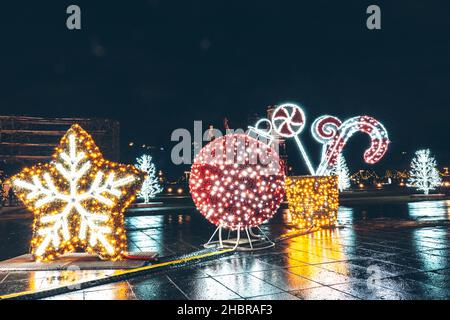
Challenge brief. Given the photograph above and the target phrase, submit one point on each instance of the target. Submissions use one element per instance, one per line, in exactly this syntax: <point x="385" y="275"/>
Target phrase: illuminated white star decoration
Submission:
<point x="78" y="199"/>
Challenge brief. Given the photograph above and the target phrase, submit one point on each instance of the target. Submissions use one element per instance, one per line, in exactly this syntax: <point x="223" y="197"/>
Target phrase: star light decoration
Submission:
<point x="78" y="200"/>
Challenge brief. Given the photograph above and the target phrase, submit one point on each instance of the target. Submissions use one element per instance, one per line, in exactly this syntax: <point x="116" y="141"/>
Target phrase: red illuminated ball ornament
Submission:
<point x="237" y="182"/>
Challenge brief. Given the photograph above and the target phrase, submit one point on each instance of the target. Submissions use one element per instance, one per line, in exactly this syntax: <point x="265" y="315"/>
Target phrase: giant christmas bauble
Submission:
<point x="237" y="181"/>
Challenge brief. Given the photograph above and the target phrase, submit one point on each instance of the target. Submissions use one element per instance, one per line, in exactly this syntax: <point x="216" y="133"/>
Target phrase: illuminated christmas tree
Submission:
<point x="151" y="185"/>
<point x="341" y="170"/>
<point x="424" y="175"/>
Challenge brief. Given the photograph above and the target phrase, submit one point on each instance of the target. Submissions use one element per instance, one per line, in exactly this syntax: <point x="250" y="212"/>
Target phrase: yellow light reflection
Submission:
<point x="317" y="247"/>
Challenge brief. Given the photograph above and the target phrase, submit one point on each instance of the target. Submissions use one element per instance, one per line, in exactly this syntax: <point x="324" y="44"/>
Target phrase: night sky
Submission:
<point x="159" y="65"/>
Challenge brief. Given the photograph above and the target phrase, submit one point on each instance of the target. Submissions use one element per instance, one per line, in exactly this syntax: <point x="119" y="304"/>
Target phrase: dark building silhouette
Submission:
<point x="28" y="140"/>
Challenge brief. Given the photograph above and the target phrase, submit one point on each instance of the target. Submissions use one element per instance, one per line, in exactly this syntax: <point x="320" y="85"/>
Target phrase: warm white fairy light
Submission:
<point x="237" y="182"/>
<point x="78" y="199"/>
<point x="337" y="135"/>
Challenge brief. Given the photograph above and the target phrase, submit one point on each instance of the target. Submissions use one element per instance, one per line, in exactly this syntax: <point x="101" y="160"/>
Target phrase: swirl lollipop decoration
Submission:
<point x="334" y="137"/>
<point x="288" y="121"/>
<point x="324" y="129"/>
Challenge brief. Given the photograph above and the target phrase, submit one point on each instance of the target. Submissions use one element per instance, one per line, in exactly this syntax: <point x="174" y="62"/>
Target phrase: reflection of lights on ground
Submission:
<point x="323" y="244"/>
<point x="317" y="248"/>
<point x="424" y="241"/>
<point x="429" y="210"/>
<point x="145" y="234"/>
<point x="345" y="215"/>
<point x="41" y="280"/>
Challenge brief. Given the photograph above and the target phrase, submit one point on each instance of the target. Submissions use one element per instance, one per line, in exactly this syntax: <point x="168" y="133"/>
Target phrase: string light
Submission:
<point x="424" y="174"/>
<point x="78" y="199"/>
<point x="237" y="182"/>
<point x="150" y="187"/>
<point x="313" y="201"/>
<point x="340" y="169"/>
<point x="334" y="136"/>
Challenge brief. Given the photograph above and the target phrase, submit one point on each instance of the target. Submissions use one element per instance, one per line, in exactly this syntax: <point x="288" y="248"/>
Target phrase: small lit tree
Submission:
<point x="151" y="186"/>
<point x="341" y="170"/>
<point x="424" y="175"/>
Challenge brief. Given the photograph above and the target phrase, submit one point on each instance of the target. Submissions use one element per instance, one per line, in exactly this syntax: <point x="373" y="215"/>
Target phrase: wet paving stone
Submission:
<point x="439" y="252"/>
<point x="207" y="288"/>
<point x="3" y="276"/>
<point x="8" y="287"/>
<point x="322" y="293"/>
<point x="432" y="278"/>
<point x="352" y="271"/>
<point x="319" y="275"/>
<point x="186" y="273"/>
<point x="443" y="271"/>
<point x="280" y="261"/>
<point x="276" y="296"/>
<point x="115" y="291"/>
<point x="252" y="263"/>
<point x="368" y="291"/>
<point x="366" y="259"/>
<point x="156" y="288"/>
<point x="285" y="280"/>
<point x="420" y="261"/>
<point x="381" y="267"/>
<point x="418" y="289"/>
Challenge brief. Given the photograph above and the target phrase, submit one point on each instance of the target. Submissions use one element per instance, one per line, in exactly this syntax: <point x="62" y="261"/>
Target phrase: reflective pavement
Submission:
<point x="395" y="251"/>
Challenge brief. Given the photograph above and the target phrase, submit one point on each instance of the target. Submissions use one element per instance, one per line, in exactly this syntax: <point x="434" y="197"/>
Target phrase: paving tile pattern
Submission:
<point x="359" y="261"/>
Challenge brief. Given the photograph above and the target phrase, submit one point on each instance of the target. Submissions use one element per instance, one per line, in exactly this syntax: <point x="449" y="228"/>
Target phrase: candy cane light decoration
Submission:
<point x="288" y="121"/>
<point x="334" y="136"/>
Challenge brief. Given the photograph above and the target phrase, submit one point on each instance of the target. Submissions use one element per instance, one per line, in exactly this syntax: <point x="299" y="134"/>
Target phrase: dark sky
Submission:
<point x="160" y="65"/>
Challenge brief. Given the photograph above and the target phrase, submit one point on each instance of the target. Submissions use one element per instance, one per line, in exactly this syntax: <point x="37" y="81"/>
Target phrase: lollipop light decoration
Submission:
<point x="288" y="121"/>
<point x="314" y="200"/>
<point x="323" y="129"/>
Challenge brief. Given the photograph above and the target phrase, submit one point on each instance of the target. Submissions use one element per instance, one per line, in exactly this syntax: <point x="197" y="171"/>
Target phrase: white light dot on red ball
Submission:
<point x="237" y="181"/>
